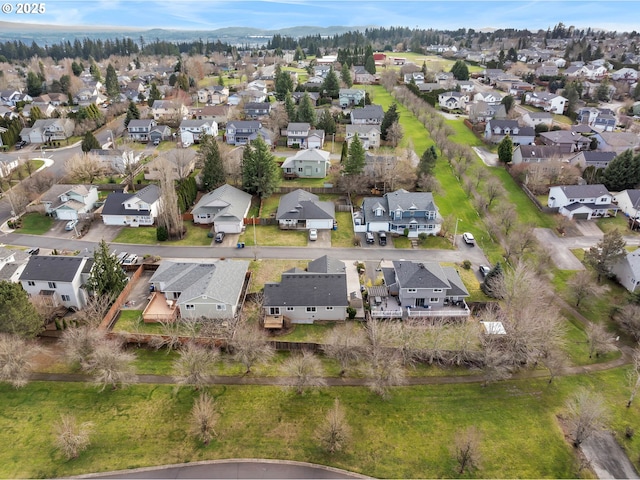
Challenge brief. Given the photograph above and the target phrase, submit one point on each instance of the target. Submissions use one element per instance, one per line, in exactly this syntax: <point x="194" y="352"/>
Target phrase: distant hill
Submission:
<point x="48" y="34"/>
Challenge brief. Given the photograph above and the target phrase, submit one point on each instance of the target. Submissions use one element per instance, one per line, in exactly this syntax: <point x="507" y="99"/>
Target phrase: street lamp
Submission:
<point x="455" y="232"/>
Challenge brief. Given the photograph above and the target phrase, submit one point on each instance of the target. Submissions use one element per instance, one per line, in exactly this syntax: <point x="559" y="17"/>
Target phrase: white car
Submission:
<point x="70" y="225"/>
<point x="130" y="260"/>
<point x="468" y="239"/>
<point x="313" y="234"/>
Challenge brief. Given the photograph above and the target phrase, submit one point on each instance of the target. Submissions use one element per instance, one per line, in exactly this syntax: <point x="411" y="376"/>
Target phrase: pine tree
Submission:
<point x="260" y="172"/>
<point x="460" y="70"/>
<point x="213" y="169"/>
<point x="154" y="94"/>
<point x="111" y="82"/>
<point x="331" y="85"/>
<point x="34" y="84"/>
<point x="306" y="112"/>
<point x="354" y="163"/>
<point x="390" y="117"/>
<point x="89" y="142"/>
<point x="623" y="172"/>
<point x="492" y="285"/>
<point x="505" y="150"/>
<point x="345" y="75"/>
<point x="326" y="122"/>
<point x="427" y="162"/>
<point x="344" y="154"/>
<point x="107" y="277"/>
<point x="132" y="114"/>
<point x="290" y="107"/>
<point x="283" y="83"/>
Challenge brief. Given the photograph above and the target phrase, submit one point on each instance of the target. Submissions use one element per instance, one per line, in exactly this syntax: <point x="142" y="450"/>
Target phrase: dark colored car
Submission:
<point x="382" y="238"/>
<point x="33" y="251"/>
<point x="369" y="237"/>
<point x="219" y="237"/>
<point x="20" y="144"/>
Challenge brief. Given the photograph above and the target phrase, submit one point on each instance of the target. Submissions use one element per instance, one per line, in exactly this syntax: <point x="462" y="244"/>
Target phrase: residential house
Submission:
<point x="191" y="131"/>
<point x="313" y="96"/>
<point x="160" y="133"/>
<point x="362" y="76"/>
<point x="139" y="129"/>
<point x="496" y="130"/>
<point x="625" y="74"/>
<point x="7" y="164"/>
<point x="115" y="160"/>
<point x="480" y="111"/>
<point x="547" y="69"/>
<point x="429" y="87"/>
<point x="315" y="139"/>
<point x="132" y="209"/>
<point x="379" y="167"/>
<point x="627" y="271"/>
<point x="169" y="109"/>
<point x="321" y="70"/>
<point x="215" y="113"/>
<point x="57" y="280"/>
<point x="369" y="135"/>
<point x="254" y="111"/>
<point x="348" y="97"/>
<point x="11" y="97"/>
<point x="211" y="290"/>
<point x="69" y="202"/>
<point x="214" y="95"/>
<point x="532" y="119"/>
<point x="395" y="212"/>
<point x="7" y="113"/>
<point x="180" y="163"/>
<point x="48" y="130"/>
<point x="446" y="79"/>
<point x="466" y="86"/>
<point x="226" y="207"/>
<point x="593" y="72"/>
<point x="536" y="154"/>
<point x="12" y="264"/>
<point x="251" y="96"/>
<point x="549" y="102"/>
<point x="318" y="293"/>
<point x="304" y="210"/>
<point x="367" y="115"/>
<point x="307" y="164"/>
<point x="453" y="100"/>
<point x="581" y="201"/>
<point x="45" y="110"/>
<point x="239" y="132"/>
<point x="491" y="97"/>
<point x="591" y="158"/>
<point x="601" y="119"/>
<point x="567" y="140"/>
<point x="618" y="142"/>
<point x="297" y="134"/>
<point x="422" y="289"/>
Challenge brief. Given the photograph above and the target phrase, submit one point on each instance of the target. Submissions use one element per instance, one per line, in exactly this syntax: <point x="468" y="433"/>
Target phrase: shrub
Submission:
<point x="162" y="234"/>
<point x="466" y="264"/>
<point x="351" y="313"/>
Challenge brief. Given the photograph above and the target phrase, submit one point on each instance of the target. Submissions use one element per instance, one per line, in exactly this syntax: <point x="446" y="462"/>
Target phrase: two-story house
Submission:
<point x="369" y="135"/>
<point x="582" y="201"/>
<point x="57" y="280"/>
<point x="453" y="100"/>
<point x="601" y="119"/>
<point x="215" y="113"/>
<point x="367" y="115"/>
<point x="12" y="264"/>
<point x="297" y="134"/>
<point x="496" y="130"/>
<point x="69" y="202"/>
<point x="549" y="102"/>
<point x="255" y="111"/>
<point x="400" y="211"/>
<point x="191" y="131"/>
<point x="169" y="109"/>
<point x="568" y="141"/>
<point x="313" y="163"/>
<point x="348" y="97"/>
<point x="132" y="209"/>
<point x="362" y="76"/>
<point x="239" y="132"/>
<point x="48" y="130"/>
<point x="139" y="129"/>
<point x="115" y="160"/>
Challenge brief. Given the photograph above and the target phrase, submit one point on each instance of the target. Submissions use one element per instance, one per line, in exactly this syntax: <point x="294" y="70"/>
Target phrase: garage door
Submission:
<point x="581" y="216"/>
<point x="66" y="215"/>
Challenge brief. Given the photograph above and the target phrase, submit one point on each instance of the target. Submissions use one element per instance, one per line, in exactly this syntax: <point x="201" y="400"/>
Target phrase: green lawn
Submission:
<point x="272" y="236"/>
<point x="270" y="205"/>
<point x="343" y="236"/>
<point x="131" y="321"/>
<point x="35" y="224"/>
<point x="315" y="333"/>
<point x="305" y="182"/>
<point x="196" y="236"/>
<point x="618" y="222"/>
<point x="463" y="135"/>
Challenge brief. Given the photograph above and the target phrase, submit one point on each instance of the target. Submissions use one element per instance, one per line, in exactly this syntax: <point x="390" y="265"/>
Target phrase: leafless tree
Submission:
<point x="334" y="434"/>
<point x="429" y="183"/>
<point x="518" y="242"/>
<point x="345" y="343"/>
<point x="95" y="310"/>
<point x="232" y="162"/>
<point x="129" y="171"/>
<point x="204" y="418"/>
<point x="194" y="365"/>
<point x="19" y="198"/>
<point x="493" y="190"/>
<point x="110" y="365"/>
<point x="16" y="360"/>
<point x="173" y="334"/>
<point x="382" y="365"/>
<point x="39" y="183"/>
<point x="70" y="437"/>
<point x="463" y="339"/>
<point x="600" y="341"/>
<point x="480" y="174"/>
<point x="182" y="161"/>
<point x="555" y="362"/>
<point x="508" y="216"/>
<point x="403" y="175"/>
<point x="587" y="415"/>
<point x="83" y="168"/>
<point x="496" y="360"/>
<point x="467" y="449"/>
<point x="250" y="345"/>
<point x="633" y="376"/>
<point x="306" y="371"/>
<point x="582" y="286"/>
<point x="169" y="215"/>
<point x="628" y="317"/>
<point x="79" y="343"/>
<point x="395" y="132"/>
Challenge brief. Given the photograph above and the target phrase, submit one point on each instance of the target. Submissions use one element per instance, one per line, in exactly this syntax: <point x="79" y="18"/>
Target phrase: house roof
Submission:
<point x="143" y="122"/>
<point x="326" y="264"/>
<point x="298" y="126"/>
<point x="368" y="111"/>
<point x="633" y="259"/>
<point x="457" y="286"/>
<point x="244" y="124"/>
<point x="634" y="196"/>
<point x="410" y="200"/>
<point x="225" y="202"/>
<point x="149" y="194"/>
<point x="313" y="155"/>
<point x="53" y="268"/>
<point x="362" y="129"/>
<point x="539" y="151"/>
<point x="195" y="123"/>
<point x="564" y="136"/>
<point x="53" y="194"/>
<point x="596" y="156"/>
<point x="303" y="205"/>
<point x="583" y="191"/>
<point x="420" y="275"/>
<point x="621" y="139"/>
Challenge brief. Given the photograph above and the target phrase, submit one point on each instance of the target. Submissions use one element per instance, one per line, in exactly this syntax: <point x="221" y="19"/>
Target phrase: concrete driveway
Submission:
<point x="560" y="253"/>
<point x="98" y="231"/>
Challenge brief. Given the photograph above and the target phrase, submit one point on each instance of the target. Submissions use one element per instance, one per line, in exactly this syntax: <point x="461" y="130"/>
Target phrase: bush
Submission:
<point x="351" y="312"/>
<point x="357" y="241"/>
<point x="422" y="237"/>
<point x="466" y="265"/>
<point x="406" y="232"/>
<point x="162" y="234"/>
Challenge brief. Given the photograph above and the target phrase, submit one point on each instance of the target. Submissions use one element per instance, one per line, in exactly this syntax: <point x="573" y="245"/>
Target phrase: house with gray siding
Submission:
<point x="627" y="271"/>
<point x="304" y="210"/>
<point x="225" y="208"/>
<point x="69" y="202"/>
<point x="307" y="164"/>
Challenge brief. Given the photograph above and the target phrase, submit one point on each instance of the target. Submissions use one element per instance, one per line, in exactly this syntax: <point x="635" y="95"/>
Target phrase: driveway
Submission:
<point x="560" y="253"/>
<point x="98" y="231"/>
<point x="607" y="458"/>
<point x="489" y="159"/>
<point x="589" y="228"/>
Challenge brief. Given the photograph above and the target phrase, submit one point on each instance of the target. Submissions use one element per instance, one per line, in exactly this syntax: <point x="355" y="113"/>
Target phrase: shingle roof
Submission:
<point x="584" y="191"/>
<point x="369" y="111"/>
<point x="420" y="275"/>
<point x="223" y="202"/>
<point x="326" y="264"/>
<point x="149" y="194"/>
<point x="303" y="205"/>
<point x="53" y="268"/>
<point x="114" y="205"/>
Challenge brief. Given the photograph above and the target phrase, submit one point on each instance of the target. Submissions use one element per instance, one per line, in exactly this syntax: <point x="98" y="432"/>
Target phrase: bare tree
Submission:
<point x="306" y="371"/>
<point x="250" y="345"/>
<point x="508" y="216"/>
<point x="334" y="434"/>
<point x="555" y="362"/>
<point x="195" y="365"/>
<point x="79" y="343"/>
<point x="582" y="286"/>
<point x="19" y="198"/>
<point x="518" y="242"/>
<point x="95" y="310"/>
<point x="70" y="437"/>
<point x="39" y="183"/>
<point x="16" y="360"/>
<point x="493" y="190"/>
<point x="110" y="365"/>
<point x="382" y="365"/>
<point x="173" y="334"/>
<point x="169" y="216"/>
<point x="345" y="343"/>
<point x="587" y="415"/>
<point x="84" y="168"/>
<point x="599" y="340"/>
<point x="628" y="317"/>
<point x="395" y="132"/>
<point x="496" y="361"/>
<point x="633" y="376"/>
<point x="204" y="418"/>
<point x="467" y="449"/>
<point x="182" y="161"/>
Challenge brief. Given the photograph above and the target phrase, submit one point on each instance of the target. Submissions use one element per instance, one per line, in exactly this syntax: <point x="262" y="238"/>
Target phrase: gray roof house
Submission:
<point x="592" y="158"/>
<point x="627" y="271"/>
<point x="307" y="164"/>
<point x="12" y="264"/>
<point x="304" y="210"/>
<point x="422" y="289"/>
<point x="48" y="130"/>
<point x="202" y="290"/>
<point x="239" y="132"/>
<point x="304" y="296"/>
<point x="132" y="209"/>
<point x="536" y="154"/>
<point x="400" y="210"/>
<point x="369" y="135"/>
<point x="69" y="202"/>
<point x="581" y="201"/>
<point x="225" y="208"/>
<point x="58" y="280"/>
<point x="139" y="129"/>
<point x="565" y="139"/>
<point x="629" y="202"/>
<point x="367" y="115"/>
<point x="496" y="130"/>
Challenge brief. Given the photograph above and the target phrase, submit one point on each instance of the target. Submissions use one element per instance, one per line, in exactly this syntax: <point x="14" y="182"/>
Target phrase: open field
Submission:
<point x="147" y="236"/>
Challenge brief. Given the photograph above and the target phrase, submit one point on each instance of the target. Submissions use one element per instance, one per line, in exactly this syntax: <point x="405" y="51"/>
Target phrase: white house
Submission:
<point x="58" y="280"/>
<point x="12" y="264"/>
<point x="549" y="102"/>
<point x="132" y="209"/>
<point x="581" y="201"/>
<point x="369" y="135"/>
<point x="226" y="207"/>
<point x="628" y="202"/>
<point x="192" y="130"/>
<point x="69" y="202"/>
<point x="627" y="271"/>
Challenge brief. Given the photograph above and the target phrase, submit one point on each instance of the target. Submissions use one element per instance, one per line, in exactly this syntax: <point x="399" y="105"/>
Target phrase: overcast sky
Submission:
<point x="274" y="14"/>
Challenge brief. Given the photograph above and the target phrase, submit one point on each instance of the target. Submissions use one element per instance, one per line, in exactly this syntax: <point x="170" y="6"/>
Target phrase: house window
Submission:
<point x="221" y="306"/>
<point x="434" y="300"/>
<point x="189" y="307"/>
<point x="65" y="298"/>
<point x="31" y="283"/>
<point x="290" y="309"/>
<point x="328" y="308"/>
<point x="437" y="290"/>
<point x="52" y="284"/>
<point x="311" y="309"/>
<point x="274" y="311"/>
<point x="412" y="290"/>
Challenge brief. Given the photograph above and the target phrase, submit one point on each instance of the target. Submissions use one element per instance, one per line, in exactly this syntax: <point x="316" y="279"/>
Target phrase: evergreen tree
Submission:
<point x="326" y="122"/>
<point x="76" y="68"/>
<point x="460" y="70"/>
<point x="508" y="102"/>
<point x="493" y="282"/>
<point x="369" y="62"/>
<point x="344" y="153"/>
<point x="331" y="85"/>
<point x="34" y="84"/>
<point x="95" y="71"/>
<point x="636" y="91"/>
<point x="390" y="117"/>
<point x="18" y="316"/>
<point x="260" y="172"/>
<point x="182" y="82"/>
<point x="154" y="94"/>
<point x="345" y="75"/>
<point x="283" y="83"/>
<point x="132" y="114"/>
<point x="89" y="142"/>
<point x="623" y="172"/>
<point x="107" y="277"/>
<point x="290" y="107"/>
<point x="111" y="82"/>
<point x="354" y="163"/>
<point x="213" y="168"/>
<point x="427" y="162"/>
<point x="505" y="150"/>
<point x="306" y="112"/>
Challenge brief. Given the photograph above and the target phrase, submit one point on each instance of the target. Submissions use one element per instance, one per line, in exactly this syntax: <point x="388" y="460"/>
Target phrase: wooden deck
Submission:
<point x="159" y="310"/>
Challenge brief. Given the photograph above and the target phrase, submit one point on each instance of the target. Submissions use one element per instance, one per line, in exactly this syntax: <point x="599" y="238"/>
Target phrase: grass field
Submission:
<point x="343" y="236"/>
<point x="272" y="236"/>
<point x="270" y="270"/>
<point x="196" y="236"/>
<point x="35" y="224"/>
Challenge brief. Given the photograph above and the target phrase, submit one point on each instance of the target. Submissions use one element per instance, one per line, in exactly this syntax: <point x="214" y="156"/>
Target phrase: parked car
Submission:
<point x="382" y="238"/>
<point x="313" y="234"/>
<point x="71" y="224"/>
<point x="219" y="237"/>
<point x="369" y="237"/>
<point x="156" y="141"/>
<point x="121" y="257"/>
<point x="468" y="238"/>
<point x="20" y="144"/>
<point x="33" y="251"/>
<point x="484" y="270"/>
<point x="131" y="260"/>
